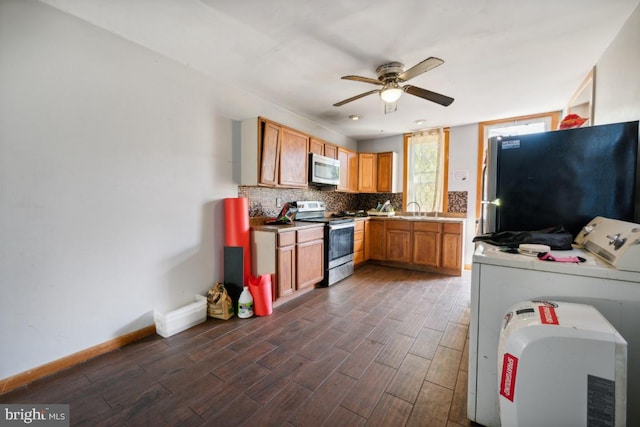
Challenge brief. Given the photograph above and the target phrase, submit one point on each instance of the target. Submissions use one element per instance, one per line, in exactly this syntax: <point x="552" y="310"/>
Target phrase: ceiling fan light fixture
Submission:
<point x="390" y="93"/>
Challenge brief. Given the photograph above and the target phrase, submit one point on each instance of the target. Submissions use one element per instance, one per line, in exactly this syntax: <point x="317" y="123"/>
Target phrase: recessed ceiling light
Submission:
<point x="419" y="121"/>
<point x="354" y="117"/>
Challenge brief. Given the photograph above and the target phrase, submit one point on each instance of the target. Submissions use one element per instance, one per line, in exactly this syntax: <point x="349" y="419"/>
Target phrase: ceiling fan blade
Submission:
<point x="363" y="79"/>
<point x="428" y="95"/>
<point x="353" y="98"/>
<point x="421" y="67"/>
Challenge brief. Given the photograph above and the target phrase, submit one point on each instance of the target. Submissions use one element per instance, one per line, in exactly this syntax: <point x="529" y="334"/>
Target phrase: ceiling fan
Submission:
<point x="390" y="76"/>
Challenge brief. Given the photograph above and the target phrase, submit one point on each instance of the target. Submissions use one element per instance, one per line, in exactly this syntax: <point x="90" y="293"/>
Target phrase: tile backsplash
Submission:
<point x="263" y="201"/>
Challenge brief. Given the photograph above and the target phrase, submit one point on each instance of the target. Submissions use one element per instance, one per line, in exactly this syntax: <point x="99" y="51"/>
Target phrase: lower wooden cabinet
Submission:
<point x="452" y="246"/>
<point x="294" y="257"/>
<point x="376" y="242"/>
<point x="426" y="243"/>
<point x="309" y="257"/>
<point x="422" y="245"/>
<point x="398" y="241"/>
<point x="286" y="271"/>
<point x="361" y="242"/>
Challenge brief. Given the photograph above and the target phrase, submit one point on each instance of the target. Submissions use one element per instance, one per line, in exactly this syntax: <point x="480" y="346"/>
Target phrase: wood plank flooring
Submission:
<point x="384" y="347"/>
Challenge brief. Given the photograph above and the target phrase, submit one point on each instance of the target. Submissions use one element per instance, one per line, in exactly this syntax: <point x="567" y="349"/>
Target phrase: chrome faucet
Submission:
<point x="417" y="204"/>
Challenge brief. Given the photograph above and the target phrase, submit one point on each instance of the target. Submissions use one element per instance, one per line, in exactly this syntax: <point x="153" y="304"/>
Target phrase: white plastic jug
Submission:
<point x="245" y="304"/>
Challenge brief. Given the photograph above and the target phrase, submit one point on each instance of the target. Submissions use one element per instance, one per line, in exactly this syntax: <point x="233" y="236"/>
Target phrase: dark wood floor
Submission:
<point x="384" y="347"/>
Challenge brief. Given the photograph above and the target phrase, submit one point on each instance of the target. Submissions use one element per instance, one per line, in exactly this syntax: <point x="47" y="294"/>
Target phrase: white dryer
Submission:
<point x="560" y="364"/>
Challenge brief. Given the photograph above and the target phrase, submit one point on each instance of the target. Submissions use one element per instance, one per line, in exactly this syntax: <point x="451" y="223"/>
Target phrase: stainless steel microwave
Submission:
<point x="323" y="170"/>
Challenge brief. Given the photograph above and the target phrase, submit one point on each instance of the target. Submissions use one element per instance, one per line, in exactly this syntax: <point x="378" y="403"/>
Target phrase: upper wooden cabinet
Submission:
<point x="270" y="153"/>
<point x="282" y="158"/>
<point x="316" y="146"/>
<point x="293" y="158"/>
<point x="387" y="171"/>
<point x="330" y="151"/>
<point x="348" y="170"/>
<point x="377" y="173"/>
<point x="367" y="177"/>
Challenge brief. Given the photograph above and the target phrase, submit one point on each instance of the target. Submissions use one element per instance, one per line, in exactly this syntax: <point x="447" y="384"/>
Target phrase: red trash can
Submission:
<point x="260" y="288"/>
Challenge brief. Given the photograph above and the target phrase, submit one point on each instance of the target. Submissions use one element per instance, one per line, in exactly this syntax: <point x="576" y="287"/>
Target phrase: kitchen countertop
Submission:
<point x="419" y="218"/>
<point x="278" y="228"/>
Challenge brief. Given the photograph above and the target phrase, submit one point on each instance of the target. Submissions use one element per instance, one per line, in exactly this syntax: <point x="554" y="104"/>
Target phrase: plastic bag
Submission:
<point x="219" y="304"/>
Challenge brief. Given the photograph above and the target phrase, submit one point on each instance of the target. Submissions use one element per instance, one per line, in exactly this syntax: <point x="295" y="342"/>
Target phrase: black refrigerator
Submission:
<point x="564" y="177"/>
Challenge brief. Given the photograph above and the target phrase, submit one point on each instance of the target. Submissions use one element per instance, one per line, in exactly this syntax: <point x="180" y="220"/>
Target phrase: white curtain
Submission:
<point x="425" y="169"/>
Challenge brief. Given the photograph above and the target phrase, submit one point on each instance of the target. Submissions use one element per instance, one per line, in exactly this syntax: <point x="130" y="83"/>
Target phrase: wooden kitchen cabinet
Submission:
<point x="452" y="246"/>
<point x="398" y="241"/>
<point x="417" y="244"/>
<point x="330" y="151"/>
<point x="293" y="256"/>
<point x="310" y="257"/>
<point x="426" y="243"/>
<point x="348" y="170"/>
<point x="360" y="242"/>
<point x="386" y="180"/>
<point x="270" y="153"/>
<point x="286" y="269"/>
<point x="316" y="146"/>
<point x="377" y="240"/>
<point x="293" y="158"/>
<point x="367" y="172"/>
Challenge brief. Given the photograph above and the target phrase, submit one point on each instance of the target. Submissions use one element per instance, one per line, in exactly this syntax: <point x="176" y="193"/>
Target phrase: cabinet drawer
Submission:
<point x="427" y="226"/>
<point x="309" y="234"/>
<point x="398" y="225"/>
<point x="452" y="228"/>
<point x="359" y="226"/>
<point x="287" y="239"/>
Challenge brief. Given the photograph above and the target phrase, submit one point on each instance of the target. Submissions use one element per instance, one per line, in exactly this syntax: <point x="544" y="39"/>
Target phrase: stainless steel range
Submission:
<point x="338" y="240"/>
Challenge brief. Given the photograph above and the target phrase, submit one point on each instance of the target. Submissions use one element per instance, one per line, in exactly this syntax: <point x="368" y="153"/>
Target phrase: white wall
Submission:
<point x="114" y="163"/>
<point x="463" y="161"/>
<point x="617" y="83"/>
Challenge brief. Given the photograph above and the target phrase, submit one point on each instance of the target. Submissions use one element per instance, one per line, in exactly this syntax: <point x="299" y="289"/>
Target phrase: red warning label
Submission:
<point x="508" y="379"/>
<point x="548" y="315"/>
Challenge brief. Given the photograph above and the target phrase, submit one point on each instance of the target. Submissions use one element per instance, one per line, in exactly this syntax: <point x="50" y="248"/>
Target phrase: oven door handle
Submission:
<point x="341" y="226"/>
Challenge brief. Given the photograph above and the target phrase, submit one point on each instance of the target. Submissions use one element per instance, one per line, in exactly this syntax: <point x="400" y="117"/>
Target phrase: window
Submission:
<point x="425" y="170"/>
<point x="512" y="126"/>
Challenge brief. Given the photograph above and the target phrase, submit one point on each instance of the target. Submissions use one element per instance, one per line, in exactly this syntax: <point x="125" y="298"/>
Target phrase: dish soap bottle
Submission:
<point x="245" y="304"/>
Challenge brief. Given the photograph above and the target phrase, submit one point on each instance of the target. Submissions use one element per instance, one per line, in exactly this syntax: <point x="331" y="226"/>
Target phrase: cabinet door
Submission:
<point x="344" y="157"/>
<point x="353" y="172"/>
<point x="426" y="248"/>
<point x="452" y="246"/>
<point x="376" y="241"/>
<point x="358" y="243"/>
<point x="293" y="158"/>
<point x="330" y="151"/>
<point x="316" y="146"/>
<point x="286" y="273"/>
<point x="310" y="261"/>
<point x="367" y="240"/>
<point x="269" y="153"/>
<point x="385" y="171"/>
<point x="426" y="243"/>
<point x="398" y="247"/>
<point x="367" y="178"/>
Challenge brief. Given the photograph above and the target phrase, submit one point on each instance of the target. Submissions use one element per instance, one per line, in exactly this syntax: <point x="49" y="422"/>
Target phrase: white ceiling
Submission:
<point x="502" y="57"/>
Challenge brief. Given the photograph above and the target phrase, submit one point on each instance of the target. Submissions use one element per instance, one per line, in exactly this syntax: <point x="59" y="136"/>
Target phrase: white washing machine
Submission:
<point x="560" y="365"/>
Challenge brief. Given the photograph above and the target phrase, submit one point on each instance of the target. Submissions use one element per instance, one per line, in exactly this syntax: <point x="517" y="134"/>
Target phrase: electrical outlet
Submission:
<point x="278" y="202"/>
